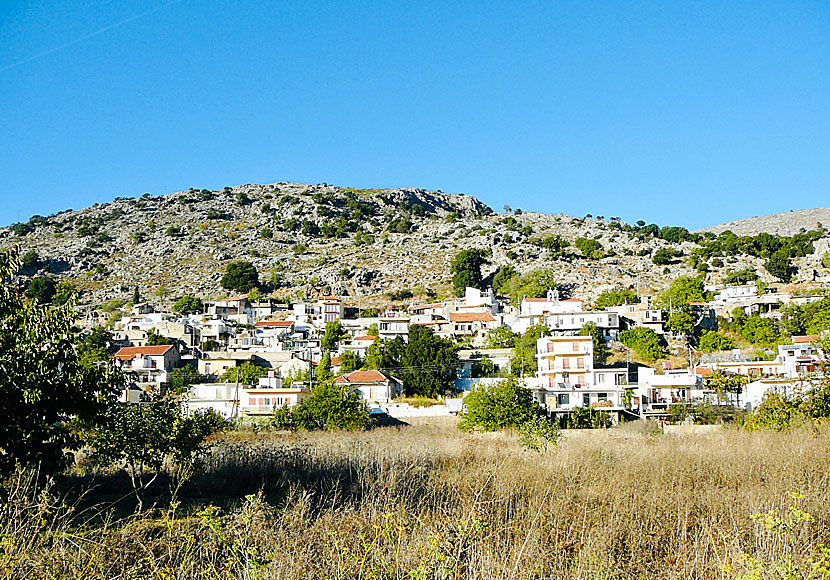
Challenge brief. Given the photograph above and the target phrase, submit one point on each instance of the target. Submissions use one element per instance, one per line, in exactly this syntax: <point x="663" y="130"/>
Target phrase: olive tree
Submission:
<point x="44" y="386"/>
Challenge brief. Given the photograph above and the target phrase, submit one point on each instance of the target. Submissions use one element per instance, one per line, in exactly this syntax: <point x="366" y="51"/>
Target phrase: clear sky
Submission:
<point x="677" y="113"/>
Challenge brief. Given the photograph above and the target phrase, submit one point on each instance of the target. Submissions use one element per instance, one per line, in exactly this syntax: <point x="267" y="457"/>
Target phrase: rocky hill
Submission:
<point x="321" y="238"/>
<point x="783" y="224"/>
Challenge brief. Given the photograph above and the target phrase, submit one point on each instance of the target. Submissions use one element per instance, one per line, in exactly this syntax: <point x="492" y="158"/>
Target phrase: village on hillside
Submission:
<point x="246" y="356"/>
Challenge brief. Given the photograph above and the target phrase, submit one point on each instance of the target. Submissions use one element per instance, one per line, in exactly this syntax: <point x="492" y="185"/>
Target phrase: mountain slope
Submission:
<point x="784" y="224"/>
<point x="321" y="238"/>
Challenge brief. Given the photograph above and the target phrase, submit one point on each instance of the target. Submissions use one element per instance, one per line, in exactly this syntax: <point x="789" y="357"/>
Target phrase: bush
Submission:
<point x="241" y="275"/>
<point x="616" y="297"/>
<point x="538" y="433"/>
<point x="188" y="304"/>
<point x="496" y="407"/>
<point x="590" y="248"/>
<point x="41" y="289"/>
<point x="643" y="341"/>
<point x="712" y="341"/>
<point x="331" y="406"/>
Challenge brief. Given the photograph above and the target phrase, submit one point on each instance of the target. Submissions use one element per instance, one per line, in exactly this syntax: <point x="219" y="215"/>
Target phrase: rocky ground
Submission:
<point x="181" y="243"/>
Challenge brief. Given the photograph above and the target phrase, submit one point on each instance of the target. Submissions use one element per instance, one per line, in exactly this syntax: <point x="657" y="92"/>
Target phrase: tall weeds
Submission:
<point x="427" y="502"/>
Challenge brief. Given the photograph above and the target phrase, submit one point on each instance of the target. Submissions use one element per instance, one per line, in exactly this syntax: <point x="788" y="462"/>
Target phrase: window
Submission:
<point x="576" y="347"/>
<point x="601" y="378"/>
<point x="580" y="363"/>
<point x="586" y="400"/>
<point x="563" y="399"/>
<point x="581" y="380"/>
<point x="602" y="396"/>
<point x="566" y="363"/>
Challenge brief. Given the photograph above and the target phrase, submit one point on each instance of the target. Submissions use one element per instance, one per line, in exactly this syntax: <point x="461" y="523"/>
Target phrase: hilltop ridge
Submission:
<point x="307" y="239"/>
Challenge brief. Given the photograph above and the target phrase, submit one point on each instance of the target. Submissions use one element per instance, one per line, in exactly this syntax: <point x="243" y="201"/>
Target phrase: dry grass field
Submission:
<point x="432" y="502"/>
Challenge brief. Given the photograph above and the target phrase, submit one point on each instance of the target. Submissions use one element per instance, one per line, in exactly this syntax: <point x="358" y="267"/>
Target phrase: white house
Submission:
<point x="149" y="366"/>
<point x="374" y="386"/>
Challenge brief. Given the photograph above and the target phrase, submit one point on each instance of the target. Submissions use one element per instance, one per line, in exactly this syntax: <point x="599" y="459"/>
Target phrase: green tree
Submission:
<point x="601" y="351"/>
<point x="333" y="335"/>
<point x="466" y="270"/>
<point x="643" y="341"/>
<point x="324" y="368"/>
<point x="183" y="377"/>
<point x="247" y="373"/>
<point x="780" y="266"/>
<point x="616" y="297"/>
<point x="155" y="339"/>
<point x="140" y="437"/>
<point x="31" y="261"/>
<point x="188" y="304"/>
<point x="680" y="322"/>
<point x="65" y="292"/>
<point x="350" y="361"/>
<point x="503" y="278"/>
<point x="590" y="248"/>
<point x="373" y="329"/>
<point x="331" y="406"/>
<point x="501" y="337"/>
<point x="523" y="362"/>
<point x="429" y="363"/>
<point x="496" y="407"/>
<point x="42" y="289"/>
<point x="556" y="245"/>
<point x="762" y="331"/>
<point x="712" y="341"/>
<point x="664" y="256"/>
<point x="241" y="275"/>
<point x="534" y="284"/>
<point x="683" y="290"/>
<point x="44" y="387"/>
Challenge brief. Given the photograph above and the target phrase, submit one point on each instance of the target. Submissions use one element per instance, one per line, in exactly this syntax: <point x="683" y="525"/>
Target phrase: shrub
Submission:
<point x="643" y="341"/>
<point x="188" y="304"/>
<point x="590" y="248"/>
<point x="42" y="289"/>
<point x="496" y="407"/>
<point x="712" y="341"/>
<point x="241" y="275"/>
<point x="616" y="297"/>
<point x="538" y="433"/>
<point x="331" y="406"/>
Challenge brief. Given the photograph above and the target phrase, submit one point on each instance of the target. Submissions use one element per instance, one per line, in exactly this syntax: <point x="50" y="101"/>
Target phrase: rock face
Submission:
<point x="783" y="224"/>
<point x="322" y="238"/>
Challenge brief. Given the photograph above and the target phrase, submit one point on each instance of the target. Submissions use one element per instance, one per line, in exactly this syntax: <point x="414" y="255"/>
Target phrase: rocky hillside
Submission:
<point x="322" y="238"/>
<point x="783" y="224"/>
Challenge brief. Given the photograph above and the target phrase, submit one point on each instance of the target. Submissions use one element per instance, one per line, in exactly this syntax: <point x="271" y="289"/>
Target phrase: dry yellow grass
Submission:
<point x="431" y="502"/>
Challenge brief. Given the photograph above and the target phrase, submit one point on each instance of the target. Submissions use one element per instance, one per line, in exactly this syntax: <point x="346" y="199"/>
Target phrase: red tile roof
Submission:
<point x="471" y="317"/>
<point x="806" y="338"/>
<point x="536" y="300"/>
<point x="366" y="337"/>
<point x="132" y="351"/>
<point x="362" y="377"/>
<point x="274" y="323"/>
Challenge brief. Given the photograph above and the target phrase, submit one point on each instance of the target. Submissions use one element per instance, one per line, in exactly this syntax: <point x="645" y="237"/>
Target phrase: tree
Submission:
<point x="590" y="248"/>
<point x="188" y="304"/>
<point x="680" y="322"/>
<point x="241" y="275"/>
<point x="643" y="341"/>
<point x="534" y="284"/>
<point x="384" y="354"/>
<point x="616" y="297"/>
<point x="42" y="289"/>
<point x="779" y="265"/>
<point x="136" y="296"/>
<point x="373" y="329"/>
<point x="31" y="261"/>
<point x="155" y="339"/>
<point x="64" y="292"/>
<point x="333" y="335"/>
<point x="140" y="437"/>
<point x="501" y="337"/>
<point x="247" y="373"/>
<point x="503" y="278"/>
<point x="683" y="290"/>
<point x="429" y="363"/>
<point x="466" y="270"/>
<point x="757" y="330"/>
<point x="44" y="386"/>
<point x="712" y="341"/>
<point x="664" y="256"/>
<point x="183" y="377"/>
<point x="331" y="406"/>
<point x="601" y="351"/>
<point x="350" y="361"/>
<point x="324" y="368"/>
<point x="523" y="362"/>
<point x="496" y="407"/>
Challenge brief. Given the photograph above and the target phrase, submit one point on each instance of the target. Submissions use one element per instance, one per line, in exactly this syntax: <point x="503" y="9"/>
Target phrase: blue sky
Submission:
<point x="677" y="113"/>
